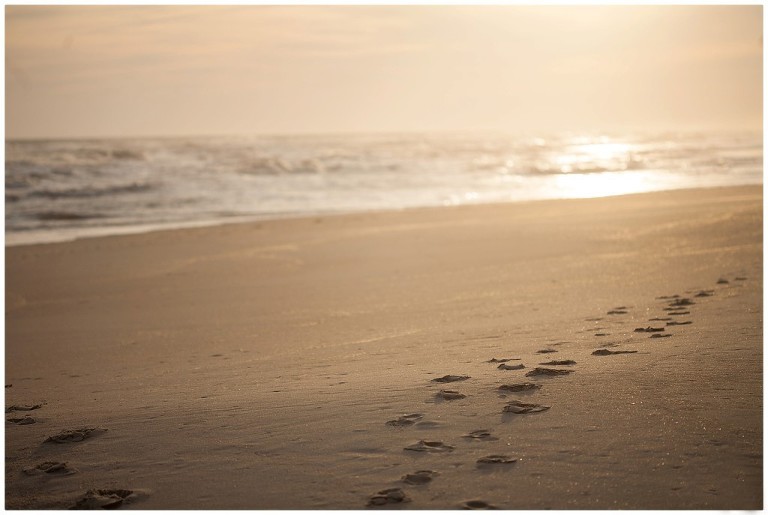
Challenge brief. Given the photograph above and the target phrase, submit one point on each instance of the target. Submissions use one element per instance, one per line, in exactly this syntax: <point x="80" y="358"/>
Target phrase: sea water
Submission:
<point x="58" y="190"/>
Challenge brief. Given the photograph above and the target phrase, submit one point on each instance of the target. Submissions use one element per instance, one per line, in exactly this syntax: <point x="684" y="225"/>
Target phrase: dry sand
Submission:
<point x="256" y="365"/>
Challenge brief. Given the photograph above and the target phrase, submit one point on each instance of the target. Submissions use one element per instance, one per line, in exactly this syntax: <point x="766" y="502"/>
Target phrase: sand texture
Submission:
<point x="292" y="363"/>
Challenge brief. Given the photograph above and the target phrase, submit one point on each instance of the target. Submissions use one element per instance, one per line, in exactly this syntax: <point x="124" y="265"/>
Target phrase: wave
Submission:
<point x="88" y="191"/>
<point x="104" y="183"/>
<point x="128" y="155"/>
<point x="56" y="216"/>
<point x="278" y="166"/>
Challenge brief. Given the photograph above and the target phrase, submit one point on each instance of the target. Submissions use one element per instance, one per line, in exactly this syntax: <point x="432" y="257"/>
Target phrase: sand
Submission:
<point x="257" y="365"/>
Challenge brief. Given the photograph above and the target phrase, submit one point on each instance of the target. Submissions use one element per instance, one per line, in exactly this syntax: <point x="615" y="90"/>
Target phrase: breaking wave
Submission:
<point x="70" y="186"/>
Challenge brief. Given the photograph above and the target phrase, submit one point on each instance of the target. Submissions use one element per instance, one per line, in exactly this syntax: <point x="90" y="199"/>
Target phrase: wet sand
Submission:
<point x="293" y="363"/>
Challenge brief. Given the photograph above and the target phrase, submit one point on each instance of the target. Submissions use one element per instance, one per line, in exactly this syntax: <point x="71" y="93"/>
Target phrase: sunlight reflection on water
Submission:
<point x="60" y="189"/>
<point x="612" y="183"/>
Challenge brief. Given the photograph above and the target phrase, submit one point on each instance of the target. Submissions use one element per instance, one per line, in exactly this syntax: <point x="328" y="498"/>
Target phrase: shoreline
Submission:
<point x="53" y="236"/>
<point x="257" y="365"/>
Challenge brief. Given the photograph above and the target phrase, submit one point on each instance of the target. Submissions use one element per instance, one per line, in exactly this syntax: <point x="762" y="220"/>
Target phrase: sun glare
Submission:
<point x="594" y="157"/>
<point x="605" y="150"/>
<point x="606" y="184"/>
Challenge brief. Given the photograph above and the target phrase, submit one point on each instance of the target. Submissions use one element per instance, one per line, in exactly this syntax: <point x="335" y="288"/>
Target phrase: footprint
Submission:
<point x="659" y="319"/>
<point x="682" y="302"/>
<point x="511" y="367"/>
<point x="449" y="395"/>
<point x="649" y="329"/>
<point x="76" y="435"/>
<point x="496" y="459"/>
<point x="429" y="446"/>
<point x="405" y="420"/>
<point x="680" y="323"/>
<point x="593" y="319"/>
<point x="8" y="385"/>
<point x="504" y="360"/>
<point x="519" y="407"/>
<point x="477" y="505"/>
<point x="661" y="335"/>
<point x="538" y="371"/>
<point x="665" y="297"/>
<point x="545" y="351"/>
<point x="480" y="434"/>
<point x="388" y="496"/>
<point x="420" y="477"/>
<point x="677" y="313"/>
<point x="23" y="407"/>
<point x="739" y="278"/>
<point x="519" y="387"/>
<point x="23" y="421"/>
<point x="559" y="362"/>
<point x="722" y="281"/>
<point x="450" y="379"/>
<point x="705" y="293"/>
<point x="617" y="312"/>
<point x="103" y="499"/>
<point x="606" y="352"/>
<point x="602" y="334"/>
<point x="50" y="467"/>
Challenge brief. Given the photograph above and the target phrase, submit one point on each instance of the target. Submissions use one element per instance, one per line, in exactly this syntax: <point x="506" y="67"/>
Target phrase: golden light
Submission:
<point x="594" y="157"/>
<point x="605" y="184"/>
<point x="605" y="150"/>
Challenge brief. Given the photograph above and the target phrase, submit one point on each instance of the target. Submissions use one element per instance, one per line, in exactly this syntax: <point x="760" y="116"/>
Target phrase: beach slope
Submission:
<point x="272" y="364"/>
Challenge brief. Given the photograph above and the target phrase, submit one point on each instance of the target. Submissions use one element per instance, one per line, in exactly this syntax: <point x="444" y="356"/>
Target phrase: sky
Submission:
<point x="125" y="71"/>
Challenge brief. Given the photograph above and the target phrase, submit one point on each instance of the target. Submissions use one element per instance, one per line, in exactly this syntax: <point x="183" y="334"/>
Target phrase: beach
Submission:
<point x="256" y="365"/>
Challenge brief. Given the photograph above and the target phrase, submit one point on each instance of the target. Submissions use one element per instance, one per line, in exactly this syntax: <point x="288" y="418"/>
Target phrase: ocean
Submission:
<point x="58" y="190"/>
